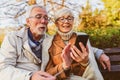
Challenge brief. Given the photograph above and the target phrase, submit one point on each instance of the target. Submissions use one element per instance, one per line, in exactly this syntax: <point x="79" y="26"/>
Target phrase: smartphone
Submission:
<point x="83" y="39"/>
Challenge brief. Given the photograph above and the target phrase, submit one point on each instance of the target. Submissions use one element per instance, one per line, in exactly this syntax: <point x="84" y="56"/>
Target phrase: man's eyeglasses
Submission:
<point x="69" y="19"/>
<point x="39" y="16"/>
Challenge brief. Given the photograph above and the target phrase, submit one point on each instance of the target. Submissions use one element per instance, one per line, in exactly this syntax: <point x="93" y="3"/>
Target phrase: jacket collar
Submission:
<point x="23" y="34"/>
<point x="58" y="40"/>
<point x="45" y="54"/>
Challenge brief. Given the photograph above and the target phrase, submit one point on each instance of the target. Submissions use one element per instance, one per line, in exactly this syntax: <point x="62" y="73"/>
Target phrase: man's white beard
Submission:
<point x="40" y="32"/>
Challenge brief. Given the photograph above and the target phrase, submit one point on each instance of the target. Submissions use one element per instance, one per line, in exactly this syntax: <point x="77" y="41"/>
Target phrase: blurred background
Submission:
<point x="99" y="18"/>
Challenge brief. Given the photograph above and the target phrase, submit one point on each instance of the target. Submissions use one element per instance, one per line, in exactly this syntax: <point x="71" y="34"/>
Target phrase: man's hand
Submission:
<point x="105" y="61"/>
<point x="39" y="75"/>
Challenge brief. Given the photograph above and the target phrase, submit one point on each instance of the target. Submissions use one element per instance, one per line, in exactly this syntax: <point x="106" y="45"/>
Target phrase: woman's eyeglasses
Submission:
<point x="69" y="19"/>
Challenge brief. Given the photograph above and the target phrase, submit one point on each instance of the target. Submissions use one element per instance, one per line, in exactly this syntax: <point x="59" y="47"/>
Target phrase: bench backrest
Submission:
<point x="114" y="74"/>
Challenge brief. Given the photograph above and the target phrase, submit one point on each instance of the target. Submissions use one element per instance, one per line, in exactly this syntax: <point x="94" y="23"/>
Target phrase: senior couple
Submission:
<point x="31" y="54"/>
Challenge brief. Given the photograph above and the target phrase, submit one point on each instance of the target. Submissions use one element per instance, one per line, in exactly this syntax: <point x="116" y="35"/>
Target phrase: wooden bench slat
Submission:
<point x="112" y="50"/>
<point x="114" y="57"/>
<point x="115" y="68"/>
<point x="114" y="74"/>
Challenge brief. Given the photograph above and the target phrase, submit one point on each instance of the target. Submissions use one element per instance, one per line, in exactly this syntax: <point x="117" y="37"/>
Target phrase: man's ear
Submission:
<point x="27" y="22"/>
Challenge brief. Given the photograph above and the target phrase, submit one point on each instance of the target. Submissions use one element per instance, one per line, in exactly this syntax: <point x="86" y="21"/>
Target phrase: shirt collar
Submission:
<point x="34" y="41"/>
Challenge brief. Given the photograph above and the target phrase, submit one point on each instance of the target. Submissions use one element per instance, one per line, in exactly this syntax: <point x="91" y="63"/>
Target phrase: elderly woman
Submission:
<point x="66" y="60"/>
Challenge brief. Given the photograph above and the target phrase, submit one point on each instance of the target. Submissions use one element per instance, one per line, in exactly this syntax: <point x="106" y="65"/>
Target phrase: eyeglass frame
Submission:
<point x="40" y="17"/>
<point x="69" y="19"/>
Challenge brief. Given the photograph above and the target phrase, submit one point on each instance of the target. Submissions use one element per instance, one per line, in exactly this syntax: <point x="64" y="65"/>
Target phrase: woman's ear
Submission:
<point x="56" y="23"/>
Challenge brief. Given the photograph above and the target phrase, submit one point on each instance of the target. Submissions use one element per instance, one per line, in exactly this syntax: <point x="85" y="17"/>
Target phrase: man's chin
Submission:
<point x="41" y="33"/>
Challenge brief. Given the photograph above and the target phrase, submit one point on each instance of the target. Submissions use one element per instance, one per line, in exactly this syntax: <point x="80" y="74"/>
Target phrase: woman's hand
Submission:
<point x="80" y="56"/>
<point x="67" y="60"/>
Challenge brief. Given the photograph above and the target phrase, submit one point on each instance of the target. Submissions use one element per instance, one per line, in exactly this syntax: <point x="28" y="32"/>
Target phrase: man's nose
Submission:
<point x="43" y="20"/>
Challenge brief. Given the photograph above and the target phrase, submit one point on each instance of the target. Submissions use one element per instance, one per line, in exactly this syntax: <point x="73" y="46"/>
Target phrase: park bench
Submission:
<point x="114" y="74"/>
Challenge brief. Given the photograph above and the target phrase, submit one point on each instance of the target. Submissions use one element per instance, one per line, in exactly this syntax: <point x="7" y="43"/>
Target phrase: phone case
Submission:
<point x="83" y="39"/>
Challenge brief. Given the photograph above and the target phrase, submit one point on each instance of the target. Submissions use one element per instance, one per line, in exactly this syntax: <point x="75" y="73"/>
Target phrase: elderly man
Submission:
<point x="21" y="55"/>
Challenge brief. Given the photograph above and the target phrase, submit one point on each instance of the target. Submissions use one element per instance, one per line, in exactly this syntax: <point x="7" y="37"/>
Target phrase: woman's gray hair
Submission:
<point x="29" y="9"/>
<point x="62" y="12"/>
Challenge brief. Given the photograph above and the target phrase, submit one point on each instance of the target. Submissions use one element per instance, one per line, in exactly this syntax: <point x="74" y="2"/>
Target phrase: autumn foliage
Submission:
<point x="103" y="26"/>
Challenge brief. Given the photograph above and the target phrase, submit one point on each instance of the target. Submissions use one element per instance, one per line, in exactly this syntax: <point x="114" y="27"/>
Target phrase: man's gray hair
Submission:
<point x="29" y="9"/>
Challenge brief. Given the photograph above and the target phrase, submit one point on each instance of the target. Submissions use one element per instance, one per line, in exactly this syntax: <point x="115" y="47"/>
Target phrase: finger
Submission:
<point x="44" y="74"/>
<point x="67" y="46"/>
<point x="77" y="51"/>
<point x="103" y="65"/>
<point x="63" y="52"/>
<point x="74" y="53"/>
<point x="72" y="56"/>
<point x="107" y="62"/>
<point x="50" y="78"/>
<point x="46" y="77"/>
<point x="38" y="76"/>
<point x="84" y="50"/>
<point x="82" y="47"/>
<point x="66" y="49"/>
<point x="108" y="65"/>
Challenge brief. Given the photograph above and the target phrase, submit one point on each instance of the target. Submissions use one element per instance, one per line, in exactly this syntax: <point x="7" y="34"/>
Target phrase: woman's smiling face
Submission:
<point x="65" y="22"/>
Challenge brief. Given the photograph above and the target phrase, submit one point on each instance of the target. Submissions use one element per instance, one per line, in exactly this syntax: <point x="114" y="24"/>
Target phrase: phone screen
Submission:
<point x="83" y="39"/>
